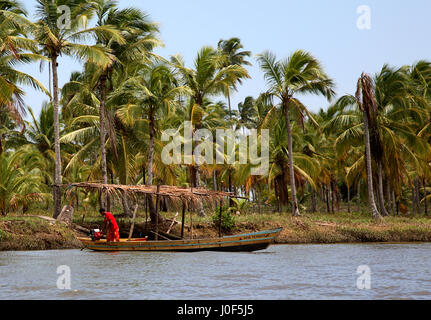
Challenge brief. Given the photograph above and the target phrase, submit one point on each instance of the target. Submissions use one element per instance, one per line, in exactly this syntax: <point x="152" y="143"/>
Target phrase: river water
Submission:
<point x="393" y="271"/>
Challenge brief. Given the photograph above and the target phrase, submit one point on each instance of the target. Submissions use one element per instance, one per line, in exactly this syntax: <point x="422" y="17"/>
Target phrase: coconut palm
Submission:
<point x="368" y="105"/>
<point x="208" y="78"/>
<point x="301" y="73"/>
<point x="230" y="50"/>
<point x="15" y="49"/>
<point x="139" y="40"/>
<point x="153" y="91"/>
<point x="21" y="182"/>
<point x="396" y="143"/>
<point x="56" y="38"/>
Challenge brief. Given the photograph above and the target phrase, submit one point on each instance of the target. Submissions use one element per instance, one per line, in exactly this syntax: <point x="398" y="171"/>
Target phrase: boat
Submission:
<point x="238" y="243"/>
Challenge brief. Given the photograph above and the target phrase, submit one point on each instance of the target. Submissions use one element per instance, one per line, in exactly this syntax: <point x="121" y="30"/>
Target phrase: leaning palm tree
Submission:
<point x="393" y="127"/>
<point x="207" y="79"/>
<point x="368" y="105"/>
<point x="55" y="38"/>
<point x="301" y="73"/>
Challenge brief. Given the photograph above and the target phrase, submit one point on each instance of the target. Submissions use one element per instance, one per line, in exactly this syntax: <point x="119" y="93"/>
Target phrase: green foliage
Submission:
<point x="147" y="95"/>
<point x="228" y="218"/>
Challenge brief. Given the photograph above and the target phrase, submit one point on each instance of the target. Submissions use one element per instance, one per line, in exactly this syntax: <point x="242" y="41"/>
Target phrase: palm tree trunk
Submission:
<point x="349" y="210"/>
<point x="229" y="103"/>
<point x="394" y="203"/>
<point x="154" y="216"/>
<point x="380" y="196"/>
<point x="295" y="209"/>
<point x="388" y="194"/>
<point x="374" y="211"/>
<point x="313" y="201"/>
<point x="151" y="152"/>
<point x="200" y="207"/>
<point x="125" y="203"/>
<point x="57" y="172"/>
<point x="333" y="195"/>
<point x="425" y="196"/>
<point x="259" y="205"/>
<point x="359" y="196"/>
<point x="231" y="188"/>
<point x="326" y="191"/>
<point x="214" y="180"/>
<point x="102" y="116"/>
<point x="413" y="201"/>
<point x="418" y="196"/>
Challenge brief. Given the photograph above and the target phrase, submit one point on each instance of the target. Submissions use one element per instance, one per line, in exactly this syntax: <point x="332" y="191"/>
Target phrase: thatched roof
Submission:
<point x="172" y="193"/>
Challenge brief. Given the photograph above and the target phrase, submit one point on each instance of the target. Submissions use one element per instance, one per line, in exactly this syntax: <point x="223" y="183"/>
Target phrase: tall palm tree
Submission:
<point x="56" y="39"/>
<point x="230" y="50"/>
<point x="153" y="91"/>
<point x="394" y="127"/>
<point x="15" y="49"/>
<point x="301" y="73"/>
<point x="139" y="37"/>
<point x="208" y="78"/>
<point x="368" y="105"/>
<point x="231" y="56"/>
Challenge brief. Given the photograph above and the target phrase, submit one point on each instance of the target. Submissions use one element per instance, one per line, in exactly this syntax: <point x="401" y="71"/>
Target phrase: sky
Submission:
<point x="398" y="36"/>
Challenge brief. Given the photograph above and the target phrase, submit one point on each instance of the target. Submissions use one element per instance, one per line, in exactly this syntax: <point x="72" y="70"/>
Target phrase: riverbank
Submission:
<point x="19" y="233"/>
<point x="35" y="233"/>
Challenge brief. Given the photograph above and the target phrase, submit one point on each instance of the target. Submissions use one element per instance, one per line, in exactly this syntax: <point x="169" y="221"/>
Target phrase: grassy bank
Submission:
<point x="33" y="233"/>
<point x="19" y="232"/>
<point x="328" y="228"/>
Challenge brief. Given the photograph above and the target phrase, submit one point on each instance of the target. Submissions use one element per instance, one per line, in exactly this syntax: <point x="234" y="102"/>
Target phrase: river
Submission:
<point x="390" y="271"/>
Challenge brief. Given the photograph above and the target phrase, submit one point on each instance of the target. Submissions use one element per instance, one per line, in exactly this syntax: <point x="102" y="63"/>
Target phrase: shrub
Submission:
<point x="228" y="219"/>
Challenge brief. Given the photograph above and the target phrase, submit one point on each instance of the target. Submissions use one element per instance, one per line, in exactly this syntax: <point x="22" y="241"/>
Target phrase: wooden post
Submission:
<point x="133" y="223"/>
<point x="172" y="224"/>
<point x="146" y="209"/>
<point x="182" y="221"/>
<point x="220" y="218"/>
<point x="191" y="224"/>
<point x="157" y="212"/>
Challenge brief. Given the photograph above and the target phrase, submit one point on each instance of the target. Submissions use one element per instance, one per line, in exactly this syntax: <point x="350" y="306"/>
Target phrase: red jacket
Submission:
<point x="112" y="223"/>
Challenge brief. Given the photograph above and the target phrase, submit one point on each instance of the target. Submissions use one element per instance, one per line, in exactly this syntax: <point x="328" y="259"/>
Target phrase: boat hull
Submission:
<point x="245" y="243"/>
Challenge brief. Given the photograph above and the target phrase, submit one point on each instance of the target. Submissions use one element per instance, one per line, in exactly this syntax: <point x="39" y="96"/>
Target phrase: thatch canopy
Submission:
<point x="172" y="193"/>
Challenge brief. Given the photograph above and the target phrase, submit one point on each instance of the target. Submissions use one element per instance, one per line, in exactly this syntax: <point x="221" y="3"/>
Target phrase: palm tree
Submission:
<point x="230" y="50"/>
<point x="231" y="55"/>
<point x="152" y="91"/>
<point x="368" y="105"/>
<point x="14" y="49"/>
<point x="139" y="40"/>
<point x="395" y="132"/>
<point x="208" y="78"/>
<point x="20" y="185"/>
<point x="54" y="40"/>
<point x="301" y="73"/>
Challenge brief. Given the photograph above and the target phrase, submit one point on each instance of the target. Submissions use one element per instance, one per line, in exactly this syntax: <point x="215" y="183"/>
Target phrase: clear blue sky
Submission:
<point x="399" y="35"/>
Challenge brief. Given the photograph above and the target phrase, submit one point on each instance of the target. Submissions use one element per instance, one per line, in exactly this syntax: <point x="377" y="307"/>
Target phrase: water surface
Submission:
<point x="398" y="271"/>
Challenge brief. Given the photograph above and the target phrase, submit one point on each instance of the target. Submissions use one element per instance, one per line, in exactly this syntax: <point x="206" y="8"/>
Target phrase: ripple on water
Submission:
<point x="281" y="272"/>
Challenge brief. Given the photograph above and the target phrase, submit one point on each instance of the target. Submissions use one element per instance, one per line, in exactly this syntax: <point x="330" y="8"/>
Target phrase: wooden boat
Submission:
<point x="243" y="242"/>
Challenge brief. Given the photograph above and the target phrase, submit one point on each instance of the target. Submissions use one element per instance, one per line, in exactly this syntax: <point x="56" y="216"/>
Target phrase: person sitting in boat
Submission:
<point x="110" y="226"/>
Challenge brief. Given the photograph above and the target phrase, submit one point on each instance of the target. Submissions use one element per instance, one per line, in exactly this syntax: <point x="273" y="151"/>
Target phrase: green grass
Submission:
<point x="23" y="232"/>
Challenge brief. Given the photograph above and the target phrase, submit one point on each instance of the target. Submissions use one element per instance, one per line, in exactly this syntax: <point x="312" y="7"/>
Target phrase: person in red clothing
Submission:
<point x="110" y="227"/>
